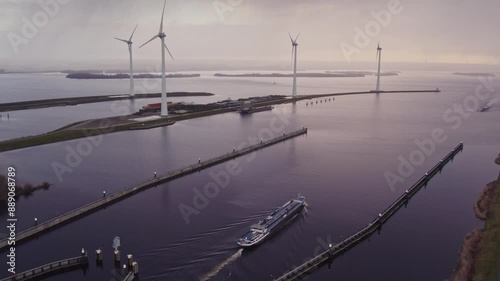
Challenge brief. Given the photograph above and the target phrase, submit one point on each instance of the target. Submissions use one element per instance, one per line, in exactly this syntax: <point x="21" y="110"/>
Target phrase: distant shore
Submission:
<point x="87" y="75"/>
<point x="480" y="253"/>
<point x="280" y="75"/>
<point x="326" y="74"/>
<point x="474" y="74"/>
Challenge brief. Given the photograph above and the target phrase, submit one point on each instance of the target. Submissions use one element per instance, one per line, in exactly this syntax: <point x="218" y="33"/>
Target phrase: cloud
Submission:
<point x="434" y="30"/>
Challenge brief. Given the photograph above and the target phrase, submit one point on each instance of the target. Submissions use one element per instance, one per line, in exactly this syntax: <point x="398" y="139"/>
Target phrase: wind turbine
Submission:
<point x="129" y="43"/>
<point x="379" y="55"/>
<point x="161" y="35"/>
<point x="294" y="58"/>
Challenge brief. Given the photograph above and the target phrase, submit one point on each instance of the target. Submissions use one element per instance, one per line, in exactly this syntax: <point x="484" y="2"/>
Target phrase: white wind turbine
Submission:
<point x="379" y="55"/>
<point x="161" y="35"/>
<point x="294" y="58"/>
<point x="129" y="43"/>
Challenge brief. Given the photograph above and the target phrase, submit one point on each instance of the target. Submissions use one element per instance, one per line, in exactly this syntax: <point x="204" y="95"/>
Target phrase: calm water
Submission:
<point x="339" y="166"/>
<point x="20" y="87"/>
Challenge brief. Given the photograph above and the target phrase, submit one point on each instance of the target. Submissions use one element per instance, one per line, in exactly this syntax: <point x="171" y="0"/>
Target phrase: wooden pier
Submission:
<point x="51" y="268"/>
<point x="373" y="226"/>
<point x="153" y="181"/>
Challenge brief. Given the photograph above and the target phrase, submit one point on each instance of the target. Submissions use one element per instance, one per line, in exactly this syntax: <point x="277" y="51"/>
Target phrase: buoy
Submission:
<point x="199" y="160"/>
<point x="104" y="194"/>
<point x="234" y="149"/>
<point x="36" y="221"/>
<point x="155" y="174"/>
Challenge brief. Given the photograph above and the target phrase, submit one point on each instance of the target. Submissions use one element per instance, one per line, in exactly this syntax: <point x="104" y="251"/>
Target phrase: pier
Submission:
<point x="375" y="225"/>
<point x="153" y="181"/>
<point x="51" y="268"/>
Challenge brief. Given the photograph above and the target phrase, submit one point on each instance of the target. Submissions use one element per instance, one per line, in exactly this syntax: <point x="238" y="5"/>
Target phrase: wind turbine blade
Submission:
<point x="290" y="37"/>
<point x="154" y="37"/>
<point x="297" y="37"/>
<point x="132" y="34"/>
<point x="169" y="51"/>
<point x="123" y="40"/>
<point x="162" y="15"/>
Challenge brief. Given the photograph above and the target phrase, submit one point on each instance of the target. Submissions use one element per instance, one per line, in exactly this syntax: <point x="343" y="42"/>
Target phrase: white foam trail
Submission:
<point x="220" y="266"/>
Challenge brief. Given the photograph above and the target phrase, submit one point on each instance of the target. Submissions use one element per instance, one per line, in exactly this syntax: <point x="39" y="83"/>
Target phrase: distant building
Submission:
<point x="246" y="106"/>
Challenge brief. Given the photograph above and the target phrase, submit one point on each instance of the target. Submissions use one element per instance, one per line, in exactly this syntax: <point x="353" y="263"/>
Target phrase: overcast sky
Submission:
<point x="453" y="31"/>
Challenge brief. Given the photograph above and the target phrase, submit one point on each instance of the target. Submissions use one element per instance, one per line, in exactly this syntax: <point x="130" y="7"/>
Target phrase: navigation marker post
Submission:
<point x="116" y="245"/>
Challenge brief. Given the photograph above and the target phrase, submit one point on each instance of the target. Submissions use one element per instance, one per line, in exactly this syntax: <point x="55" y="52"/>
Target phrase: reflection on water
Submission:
<point x="339" y="167"/>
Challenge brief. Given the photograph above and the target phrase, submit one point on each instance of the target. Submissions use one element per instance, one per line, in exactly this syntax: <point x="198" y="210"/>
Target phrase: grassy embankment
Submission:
<point x="479" y="258"/>
<point x="487" y="262"/>
<point x="65" y="135"/>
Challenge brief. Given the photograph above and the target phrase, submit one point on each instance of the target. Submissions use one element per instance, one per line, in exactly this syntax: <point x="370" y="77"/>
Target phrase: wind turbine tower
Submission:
<point x="379" y="55"/>
<point x="294" y="58"/>
<point x="129" y="43"/>
<point x="161" y="35"/>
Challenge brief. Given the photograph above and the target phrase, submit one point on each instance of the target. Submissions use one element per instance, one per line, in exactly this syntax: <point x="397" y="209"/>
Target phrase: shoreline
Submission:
<point x="479" y="257"/>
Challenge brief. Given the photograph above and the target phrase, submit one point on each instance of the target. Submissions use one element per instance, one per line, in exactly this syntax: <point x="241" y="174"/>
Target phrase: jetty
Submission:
<point x="50" y="268"/>
<point x="373" y="226"/>
<point x="153" y="181"/>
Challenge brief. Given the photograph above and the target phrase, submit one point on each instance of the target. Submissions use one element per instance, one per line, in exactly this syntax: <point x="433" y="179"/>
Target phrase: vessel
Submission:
<point x="273" y="222"/>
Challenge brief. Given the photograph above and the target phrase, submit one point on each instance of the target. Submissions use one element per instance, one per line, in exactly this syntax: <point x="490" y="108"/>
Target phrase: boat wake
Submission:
<point x="222" y="265"/>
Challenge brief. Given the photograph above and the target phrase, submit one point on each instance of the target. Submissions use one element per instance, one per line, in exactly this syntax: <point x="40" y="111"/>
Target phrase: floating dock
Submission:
<point x="375" y="225"/>
<point x="115" y="197"/>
